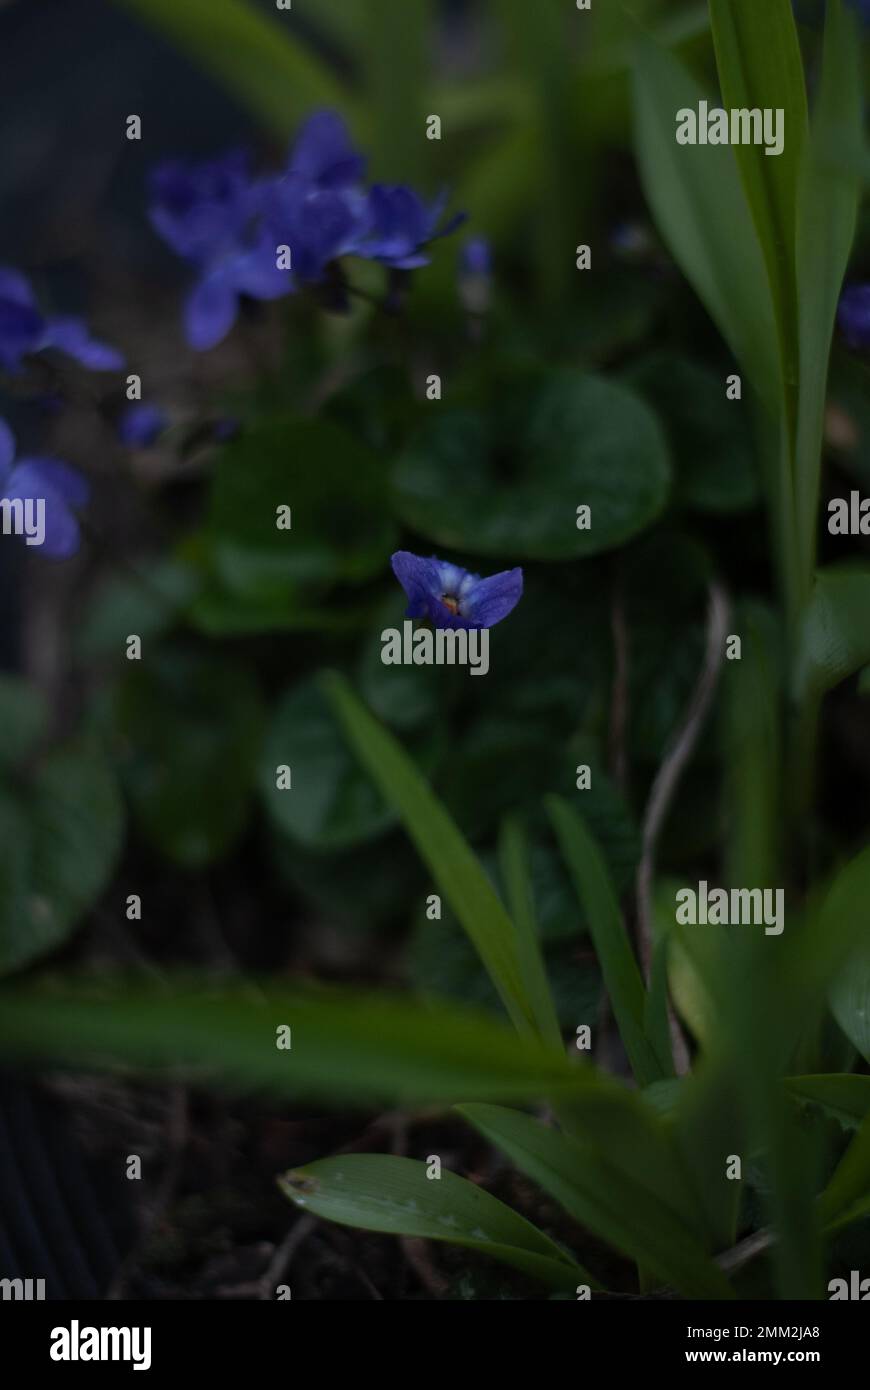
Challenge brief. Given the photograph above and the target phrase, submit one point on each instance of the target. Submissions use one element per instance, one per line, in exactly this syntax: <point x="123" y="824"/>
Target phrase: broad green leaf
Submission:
<point x="258" y="59"/>
<point x="23" y="719"/>
<point x="60" y="838"/>
<point x="843" y="1096"/>
<point x="850" y="993"/>
<point x="335" y="488"/>
<point x="382" y="1192"/>
<point x="453" y="866"/>
<point x="147" y="603"/>
<point x="700" y="208"/>
<point x="621" y="973"/>
<point x="189" y="725"/>
<point x="836" y="633"/>
<point x="516" y="876"/>
<point x="348" y="1047"/>
<point x="827" y="213"/>
<point x="847" y="1195"/>
<point x="760" y="68"/>
<point x="508" y="480"/>
<point x="614" y="1208"/>
<point x="331" y="803"/>
<point x="710" y="440"/>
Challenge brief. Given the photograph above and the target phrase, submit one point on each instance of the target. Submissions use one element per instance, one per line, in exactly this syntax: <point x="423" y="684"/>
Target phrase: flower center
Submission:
<point x="450" y="603"/>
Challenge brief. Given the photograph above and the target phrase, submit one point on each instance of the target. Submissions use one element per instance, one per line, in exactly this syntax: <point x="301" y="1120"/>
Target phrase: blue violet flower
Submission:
<point x="450" y="596"/>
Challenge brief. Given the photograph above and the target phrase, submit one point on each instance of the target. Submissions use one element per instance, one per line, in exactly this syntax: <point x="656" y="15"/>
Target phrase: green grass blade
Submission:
<point x="849" y="1188"/>
<point x="827" y="216"/>
<point x="844" y="1097"/>
<point x="347" y="1046"/>
<point x="256" y="58"/>
<point x="451" y="862"/>
<point x="516" y="878"/>
<point x="622" y="976"/>
<point x="760" y="67"/>
<point x="395" y="41"/>
<point x="608" y="1204"/>
<point x="698" y="203"/>
<point x="381" y="1192"/>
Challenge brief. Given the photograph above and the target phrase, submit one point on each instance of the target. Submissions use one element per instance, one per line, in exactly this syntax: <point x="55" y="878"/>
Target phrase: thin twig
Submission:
<point x="745" y="1250"/>
<point x="665" y="785"/>
<point x="283" y="1256"/>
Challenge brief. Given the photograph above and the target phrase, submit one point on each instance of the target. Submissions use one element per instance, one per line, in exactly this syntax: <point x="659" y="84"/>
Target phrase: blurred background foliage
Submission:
<point x="604" y="387"/>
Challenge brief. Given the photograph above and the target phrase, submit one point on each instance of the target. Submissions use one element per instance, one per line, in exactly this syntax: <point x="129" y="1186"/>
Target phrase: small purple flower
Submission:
<point x="401" y="225"/>
<point x="853" y="315"/>
<point x="25" y="330"/>
<point x="141" y="424"/>
<point x="61" y="488"/>
<point x="450" y="596"/>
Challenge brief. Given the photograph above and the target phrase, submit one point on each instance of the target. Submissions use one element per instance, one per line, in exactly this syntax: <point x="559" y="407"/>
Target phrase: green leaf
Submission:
<point x="331" y="803"/>
<point x="451" y="862"/>
<point x="760" y="67"/>
<point x="709" y="1124"/>
<point x="23" y="719"/>
<point x="622" y="1212"/>
<point x="256" y="58"/>
<point x="189" y="724"/>
<point x="621" y="974"/>
<point x="698" y="203"/>
<point x="380" y="1192"/>
<point x="709" y="435"/>
<point x="508" y="481"/>
<point x="336" y="491"/>
<point x="827" y="213"/>
<point x="395" y="41"/>
<point x="847" y="1196"/>
<point x="516" y="876"/>
<point x="843" y="1096"/>
<point x="348" y="1047"/>
<point x="60" y="838"/>
<point x="836" y="634"/>
<point x="850" y="1000"/>
<point x="147" y="604"/>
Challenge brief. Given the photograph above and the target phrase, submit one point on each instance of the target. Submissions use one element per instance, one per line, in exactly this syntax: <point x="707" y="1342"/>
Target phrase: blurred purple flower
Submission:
<point x="317" y="206"/>
<point x="141" y="424"/>
<point x="475" y="257"/>
<point x="25" y="330"/>
<point x="207" y="214"/>
<point x="401" y="225"/>
<point x="853" y="315"/>
<point x="60" y="487"/>
<point x="231" y="226"/>
<point x="450" y="596"/>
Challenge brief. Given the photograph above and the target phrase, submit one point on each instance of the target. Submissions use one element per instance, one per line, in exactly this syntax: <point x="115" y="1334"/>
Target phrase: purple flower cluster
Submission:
<point x="232" y="225"/>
